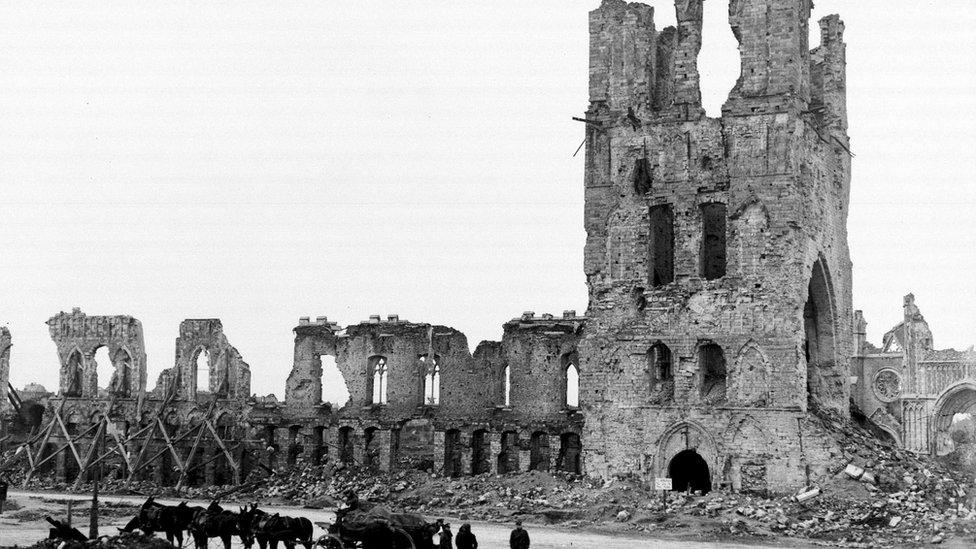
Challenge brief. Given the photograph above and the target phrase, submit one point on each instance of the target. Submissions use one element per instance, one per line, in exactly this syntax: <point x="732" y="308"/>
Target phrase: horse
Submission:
<point x="214" y="522"/>
<point x="269" y="529"/>
<point x="155" y="517"/>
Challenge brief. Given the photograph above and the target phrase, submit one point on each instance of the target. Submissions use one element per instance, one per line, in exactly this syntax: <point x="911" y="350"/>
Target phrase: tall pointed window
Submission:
<point x="379" y="371"/>
<point x="202" y="371"/>
<point x="713" y="242"/>
<point x="507" y="388"/>
<point x="661" y="252"/>
<point x="432" y="380"/>
<point x="571" y="378"/>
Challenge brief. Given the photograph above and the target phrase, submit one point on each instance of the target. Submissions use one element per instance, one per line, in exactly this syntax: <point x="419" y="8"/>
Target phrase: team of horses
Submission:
<point x="365" y="527"/>
<point x="213" y="521"/>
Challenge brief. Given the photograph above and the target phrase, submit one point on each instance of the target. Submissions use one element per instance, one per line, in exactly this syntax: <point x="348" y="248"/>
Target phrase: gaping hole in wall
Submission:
<point x="432" y="380"/>
<point x="480" y="452"/>
<point x="371" y="449"/>
<point x="642" y="176"/>
<point x="539" y="451"/>
<point x="714" y="375"/>
<point x="417" y="445"/>
<point x="318" y="445"/>
<point x="818" y="327"/>
<point x="570" y="449"/>
<point x="75" y="374"/>
<point x="294" y="445"/>
<point x="661" y="253"/>
<point x="713" y="244"/>
<point x="201" y="372"/>
<point x="689" y="472"/>
<point x="378" y="377"/>
<point x="271" y="445"/>
<point x="962" y="433"/>
<point x="640" y="300"/>
<point x="104" y="371"/>
<point x="344" y="441"/>
<point x="719" y="63"/>
<point x="453" y="466"/>
<point x="660" y="370"/>
<point x="334" y="389"/>
<point x="508" y="457"/>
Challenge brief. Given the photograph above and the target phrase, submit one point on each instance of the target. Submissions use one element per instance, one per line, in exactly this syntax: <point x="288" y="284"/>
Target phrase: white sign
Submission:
<point x="662" y="484"/>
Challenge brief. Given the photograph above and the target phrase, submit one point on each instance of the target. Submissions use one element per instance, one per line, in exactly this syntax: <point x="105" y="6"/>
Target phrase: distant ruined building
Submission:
<point x="910" y="391"/>
<point x="719" y="323"/>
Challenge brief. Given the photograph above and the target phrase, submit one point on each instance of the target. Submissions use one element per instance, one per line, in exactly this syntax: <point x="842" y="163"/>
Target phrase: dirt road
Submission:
<point x="27" y="525"/>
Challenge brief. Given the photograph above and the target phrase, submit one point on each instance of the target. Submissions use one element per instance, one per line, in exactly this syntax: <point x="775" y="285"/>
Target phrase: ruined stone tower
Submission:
<point x="716" y="256"/>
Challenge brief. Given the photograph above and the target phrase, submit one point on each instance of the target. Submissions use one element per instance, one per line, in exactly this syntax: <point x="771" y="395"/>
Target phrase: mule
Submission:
<point x="268" y="529"/>
<point x="154" y="517"/>
<point x="214" y="522"/>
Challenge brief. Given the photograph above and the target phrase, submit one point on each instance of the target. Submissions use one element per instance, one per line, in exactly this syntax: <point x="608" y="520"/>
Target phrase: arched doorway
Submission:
<point x="819" y="327"/>
<point x="689" y="471"/>
<point x="952" y="420"/>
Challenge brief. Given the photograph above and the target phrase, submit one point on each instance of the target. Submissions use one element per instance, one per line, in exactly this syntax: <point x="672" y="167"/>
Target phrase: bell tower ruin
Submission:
<point x="716" y="255"/>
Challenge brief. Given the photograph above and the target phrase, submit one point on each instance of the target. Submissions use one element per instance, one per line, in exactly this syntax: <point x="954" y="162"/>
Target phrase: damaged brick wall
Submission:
<point x="78" y="336"/>
<point x="492" y="410"/>
<point x="229" y="376"/>
<point x="761" y="269"/>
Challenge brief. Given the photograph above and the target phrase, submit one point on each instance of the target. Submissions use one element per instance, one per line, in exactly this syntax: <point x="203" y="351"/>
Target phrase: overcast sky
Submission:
<point x="258" y="162"/>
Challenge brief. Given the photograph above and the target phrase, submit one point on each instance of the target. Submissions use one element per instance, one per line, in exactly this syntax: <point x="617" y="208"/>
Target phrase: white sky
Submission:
<point x="258" y="162"/>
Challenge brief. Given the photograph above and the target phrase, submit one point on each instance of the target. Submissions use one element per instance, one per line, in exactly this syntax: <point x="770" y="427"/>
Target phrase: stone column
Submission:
<point x="524" y="450"/>
<point x="358" y="443"/>
<point x="496" y="448"/>
<point x="466" y="453"/>
<point x="439" y="451"/>
<point x="381" y="441"/>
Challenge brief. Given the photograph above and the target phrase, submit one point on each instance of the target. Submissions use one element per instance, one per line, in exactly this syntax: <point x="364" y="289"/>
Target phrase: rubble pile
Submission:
<point x="129" y="540"/>
<point x="875" y="494"/>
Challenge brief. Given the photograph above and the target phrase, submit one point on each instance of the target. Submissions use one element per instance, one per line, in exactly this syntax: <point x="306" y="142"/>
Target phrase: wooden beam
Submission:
<point x="230" y="458"/>
<point x="196" y="444"/>
<point x="67" y="435"/>
<point x="90" y="454"/>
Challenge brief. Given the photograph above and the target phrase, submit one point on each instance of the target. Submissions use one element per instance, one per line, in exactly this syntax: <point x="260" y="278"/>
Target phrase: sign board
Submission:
<point x="662" y="484"/>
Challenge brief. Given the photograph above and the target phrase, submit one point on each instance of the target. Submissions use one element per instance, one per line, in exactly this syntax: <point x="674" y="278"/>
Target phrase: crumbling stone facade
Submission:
<point x="78" y="336"/>
<point x="718" y="246"/>
<point x="5" y="344"/>
<point x="502" y="408"/>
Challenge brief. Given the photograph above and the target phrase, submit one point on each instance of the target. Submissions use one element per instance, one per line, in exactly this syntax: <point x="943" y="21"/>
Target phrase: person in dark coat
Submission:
<point x="519" y="538"/>
<point x="446" y="537"/>
<point x="465" y="538"/>
<point x="4" y="484"/>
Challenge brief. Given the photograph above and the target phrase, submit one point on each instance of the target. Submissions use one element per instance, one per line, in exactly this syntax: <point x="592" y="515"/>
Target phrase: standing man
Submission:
<point x="446" y="537"/>
<point x="4" y="484"/>
<point x="465" y="538"/>
<point x="519" y="538"/>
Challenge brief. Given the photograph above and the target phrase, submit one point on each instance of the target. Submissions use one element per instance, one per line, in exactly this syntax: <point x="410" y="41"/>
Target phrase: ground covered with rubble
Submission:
<point x="878" y="495"/>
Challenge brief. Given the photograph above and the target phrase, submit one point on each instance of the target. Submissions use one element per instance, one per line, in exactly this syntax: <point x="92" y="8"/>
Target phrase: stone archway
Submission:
<point x="689" y="472"/>
<point x="959" y="398"/>
<point x="696" y="467"/>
